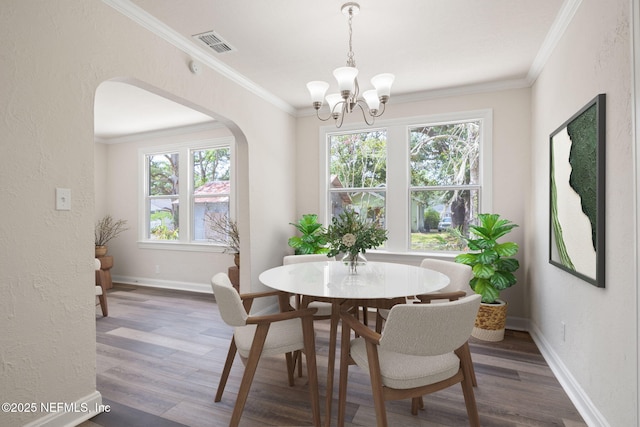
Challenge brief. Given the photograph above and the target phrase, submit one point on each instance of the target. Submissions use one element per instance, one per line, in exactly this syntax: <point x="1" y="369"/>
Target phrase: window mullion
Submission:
<point x="397" y="208"/>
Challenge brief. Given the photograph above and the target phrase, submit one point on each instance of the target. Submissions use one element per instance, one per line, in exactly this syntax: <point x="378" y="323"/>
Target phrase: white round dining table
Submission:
<point x="373" y="280"/>
<point x="332" y="281"/>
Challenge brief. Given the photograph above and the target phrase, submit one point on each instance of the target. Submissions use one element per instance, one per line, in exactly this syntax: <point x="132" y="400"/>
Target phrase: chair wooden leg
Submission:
<point x="470" y="403"/>
<point x="227" y="368"/>
<point x="344" y="372"/>
<point x="365" y="314"/>
<point x="376" y="385"/>
<point x="415" y="404"/>
<point x="259" y="338"/>
<point x="469" y="362"/>
<point x="291" y="367"/>
<point x="467" y="385"/>
<point x="103" y="303"/>
<point x="297" y="361"/>
<point x="312" y="369"/>
<point x="379" y="321"/>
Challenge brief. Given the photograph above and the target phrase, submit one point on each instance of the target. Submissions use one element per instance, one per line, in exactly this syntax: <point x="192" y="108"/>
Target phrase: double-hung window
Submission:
<point x="424" y="179"/>
<point x="185" y="186"/>
<point x="358" y="173"/>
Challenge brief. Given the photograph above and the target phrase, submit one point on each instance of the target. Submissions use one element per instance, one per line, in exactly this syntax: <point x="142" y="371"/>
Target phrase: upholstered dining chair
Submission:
<point x="101" y="291"/>
<point x="459" y="277"/>
<point x="324" y="308"/>
<point x="421" y="351"/>
<point x="261" y="336"/>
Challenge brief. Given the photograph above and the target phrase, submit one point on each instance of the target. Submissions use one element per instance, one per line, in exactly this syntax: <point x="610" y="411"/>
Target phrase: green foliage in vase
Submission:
<point x="493" y="266"/>
<point x="311" y="239"/>
<point x="351" y="234"/>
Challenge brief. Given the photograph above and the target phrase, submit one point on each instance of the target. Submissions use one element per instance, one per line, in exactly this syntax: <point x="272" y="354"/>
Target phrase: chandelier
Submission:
<point x="345" y="102"/>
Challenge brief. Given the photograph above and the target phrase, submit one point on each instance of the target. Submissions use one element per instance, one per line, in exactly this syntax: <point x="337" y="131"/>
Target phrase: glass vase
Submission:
<point x="353" y="261"/>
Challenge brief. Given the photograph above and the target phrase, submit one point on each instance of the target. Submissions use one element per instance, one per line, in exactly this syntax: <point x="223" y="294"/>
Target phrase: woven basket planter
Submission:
<point x="491" y="321"/>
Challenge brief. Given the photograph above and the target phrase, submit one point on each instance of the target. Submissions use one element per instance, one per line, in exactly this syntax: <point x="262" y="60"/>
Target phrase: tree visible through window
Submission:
<point x="444" y="164"/>
<point x="178" y="208"/>
<point x="358" y="173"/>
<point x="163" y="204"/>
<point x="424" y="179"/>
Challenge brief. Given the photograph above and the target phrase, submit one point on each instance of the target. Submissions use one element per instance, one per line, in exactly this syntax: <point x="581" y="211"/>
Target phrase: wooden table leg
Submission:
<point x="333" y="334"/>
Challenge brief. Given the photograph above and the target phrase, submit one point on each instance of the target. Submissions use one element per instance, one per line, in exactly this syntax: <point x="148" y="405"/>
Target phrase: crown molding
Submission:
<point x="144" y="19"/>
<point x="444" y="93"/>
<point x="560" y="24"/>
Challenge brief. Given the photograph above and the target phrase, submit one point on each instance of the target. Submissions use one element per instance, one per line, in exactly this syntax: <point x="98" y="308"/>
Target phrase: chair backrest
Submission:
<point x="430" y="329"/>
<point x="296" y="259"/>
<point x="459" y="274"/>
<point x="229" y="303"/>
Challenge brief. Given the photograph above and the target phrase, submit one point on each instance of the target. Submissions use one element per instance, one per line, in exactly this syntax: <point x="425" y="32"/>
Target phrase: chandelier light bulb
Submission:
<point x="317" y="89"/>
<point x="333" y="99"/>
<point x="372" y="99"/>
<point x="346" y="77"/>
<point x="382" y="83"/>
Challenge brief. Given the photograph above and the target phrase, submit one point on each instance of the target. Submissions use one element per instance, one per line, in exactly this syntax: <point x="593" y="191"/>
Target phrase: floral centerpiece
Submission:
<point x="352" y="235"/>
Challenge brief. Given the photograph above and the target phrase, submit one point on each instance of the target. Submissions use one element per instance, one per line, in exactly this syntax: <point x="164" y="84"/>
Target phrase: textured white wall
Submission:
<point x="49" y="78"/>
<point x="511" y="133"/>
<point x="599" y="350"/>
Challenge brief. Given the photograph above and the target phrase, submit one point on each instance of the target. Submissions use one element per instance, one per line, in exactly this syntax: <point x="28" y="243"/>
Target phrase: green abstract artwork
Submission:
<point x="576" y="194"/>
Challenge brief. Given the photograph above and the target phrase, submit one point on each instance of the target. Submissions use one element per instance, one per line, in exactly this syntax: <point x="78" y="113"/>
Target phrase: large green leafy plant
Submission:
<point x="493" y="266"/>
<point x="311" y="239"/>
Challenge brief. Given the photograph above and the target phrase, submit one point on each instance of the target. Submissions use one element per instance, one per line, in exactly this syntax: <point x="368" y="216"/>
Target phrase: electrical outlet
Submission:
<point x="157" y="269"/>
<point x="563" y="331"/>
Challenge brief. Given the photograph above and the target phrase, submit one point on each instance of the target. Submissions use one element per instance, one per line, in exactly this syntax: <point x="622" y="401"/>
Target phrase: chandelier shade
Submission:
<point x="349" y="98"/>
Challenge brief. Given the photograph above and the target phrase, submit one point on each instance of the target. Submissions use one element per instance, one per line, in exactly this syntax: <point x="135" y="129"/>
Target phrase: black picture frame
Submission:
<point x="577" y="194"/>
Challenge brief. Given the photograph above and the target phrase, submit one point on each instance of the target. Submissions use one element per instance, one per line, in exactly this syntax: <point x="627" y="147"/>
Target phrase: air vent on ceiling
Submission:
<point x="214" y="41"/>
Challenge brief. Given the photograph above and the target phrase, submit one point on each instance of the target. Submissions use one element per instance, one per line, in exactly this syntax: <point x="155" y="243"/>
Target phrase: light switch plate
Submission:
<point x="63" y="199"/>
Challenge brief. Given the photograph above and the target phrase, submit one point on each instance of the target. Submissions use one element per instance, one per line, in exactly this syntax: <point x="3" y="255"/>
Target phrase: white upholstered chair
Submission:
<point x="261" y="336"/>
<point x="324" y="308"/>
<point x="459" y="277"/>
<point x="101" y="291"/>
<point x="422" y="350"/>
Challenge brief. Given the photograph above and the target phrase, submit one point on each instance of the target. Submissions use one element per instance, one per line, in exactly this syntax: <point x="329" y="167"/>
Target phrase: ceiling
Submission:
<point x="431" y="46"/>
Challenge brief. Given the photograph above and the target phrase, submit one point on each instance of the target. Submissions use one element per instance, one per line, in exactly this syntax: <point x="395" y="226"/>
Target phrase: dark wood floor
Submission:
<point x="160" y="354"/>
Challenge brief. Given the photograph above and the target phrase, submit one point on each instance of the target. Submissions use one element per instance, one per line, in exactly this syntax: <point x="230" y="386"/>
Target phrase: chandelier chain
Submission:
<point x="351" y="62"/>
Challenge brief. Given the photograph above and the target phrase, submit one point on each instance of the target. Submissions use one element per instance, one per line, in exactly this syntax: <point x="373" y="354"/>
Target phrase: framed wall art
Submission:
<point x="577" y="194"/>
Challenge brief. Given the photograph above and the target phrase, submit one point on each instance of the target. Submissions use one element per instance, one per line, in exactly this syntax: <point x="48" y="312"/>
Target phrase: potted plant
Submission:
<point x="493" y="268"/>
<point x="352" y="235"/>
<point x="107" y="229"/>
<point x="312" y="239"/>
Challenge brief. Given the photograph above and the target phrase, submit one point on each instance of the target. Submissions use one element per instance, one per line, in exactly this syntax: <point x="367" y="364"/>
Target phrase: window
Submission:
<point x="185" y="186"/>
<point x="445" y="185"/>
<point x="358" y="169"/>
<point x="424" y="179"/>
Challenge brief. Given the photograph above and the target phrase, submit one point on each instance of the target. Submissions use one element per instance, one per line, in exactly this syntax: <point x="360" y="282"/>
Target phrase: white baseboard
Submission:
<point x="204" y="288"/>
<point x="69" y="414"/>
<point x="580" y="399"/>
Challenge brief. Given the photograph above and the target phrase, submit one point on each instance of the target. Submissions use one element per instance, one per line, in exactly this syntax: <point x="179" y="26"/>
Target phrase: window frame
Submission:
<point x="185" y="150"/>
<point x="398" y="190"/>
